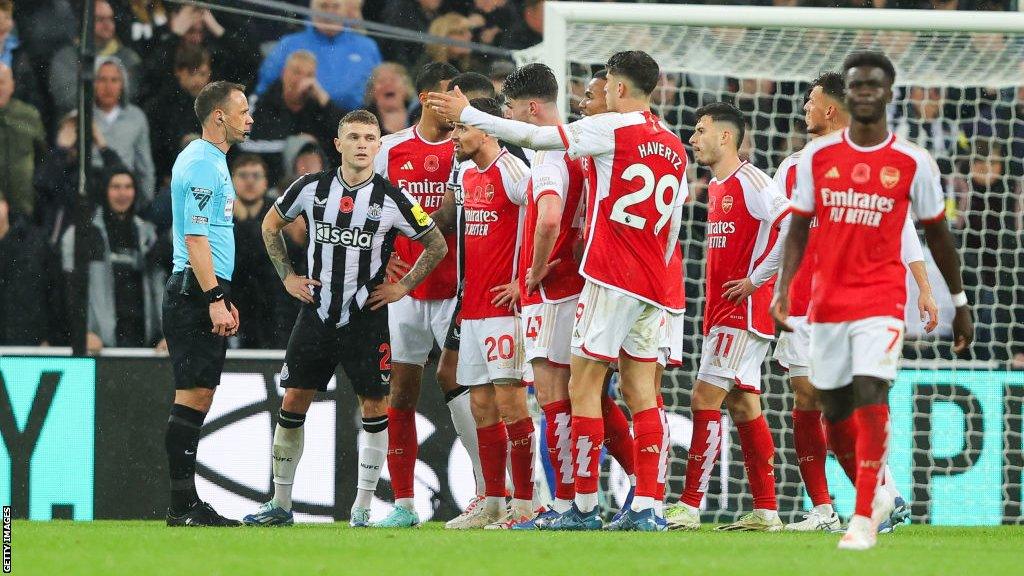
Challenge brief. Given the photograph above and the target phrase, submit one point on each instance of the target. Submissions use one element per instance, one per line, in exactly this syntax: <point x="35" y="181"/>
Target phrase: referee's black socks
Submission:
<point x="182" y="439"/>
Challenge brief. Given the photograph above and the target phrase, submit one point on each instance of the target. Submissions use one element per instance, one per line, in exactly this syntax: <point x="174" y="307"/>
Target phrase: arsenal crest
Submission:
<point x="347" y="204"/>
<point x="431" y="163"/>
<point x="861" y="173"/>
<point x="726" y="204"/>
<point x="889" y="176"/>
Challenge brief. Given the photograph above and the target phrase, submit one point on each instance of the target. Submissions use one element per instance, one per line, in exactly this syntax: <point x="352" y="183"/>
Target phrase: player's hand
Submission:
<point x="225" y="323"/>
<point x="397" y="268"/>
<point x="386" y="293"/>
<point x="507" y="295"/>
<point x="299" y="287"/>
<point x="780" y="312"/>
<point x="929" y="311"/>
<point x="449" y="106"/>
<point x="963" y="329"/>
<point x="534" y="276"/>
<point x="736" y="291"/>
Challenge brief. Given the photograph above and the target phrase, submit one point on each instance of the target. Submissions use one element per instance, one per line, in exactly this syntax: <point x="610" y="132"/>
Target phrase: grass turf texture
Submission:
<point x="62" y="548"/>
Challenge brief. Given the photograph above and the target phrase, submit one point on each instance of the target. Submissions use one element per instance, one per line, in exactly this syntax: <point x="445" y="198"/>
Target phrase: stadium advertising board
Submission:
<point x="83" y="439"/>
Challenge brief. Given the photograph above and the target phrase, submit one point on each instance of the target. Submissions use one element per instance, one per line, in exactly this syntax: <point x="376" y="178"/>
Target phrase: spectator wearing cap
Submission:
<point x="296" y="103"/>
<point x="389" y="93"/>
<point x="170" y="111"/>
<point x="345" y="58"/>
<point x="453" y="26"/>
<point x="23" y="142"/>
<point x="124" y="126"/>
<point x="414" y="15"/>
<point x="126" y="270"/>
<point x="64" y="65"/>
<point x="30" y="311"/>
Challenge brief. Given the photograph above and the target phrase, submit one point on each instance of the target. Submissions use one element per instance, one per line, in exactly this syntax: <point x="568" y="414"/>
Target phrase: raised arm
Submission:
<point x="455" y="107"/>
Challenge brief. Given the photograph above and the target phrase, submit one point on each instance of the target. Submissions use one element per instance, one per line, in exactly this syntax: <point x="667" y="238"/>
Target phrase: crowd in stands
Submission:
<point x="154" y="56"/>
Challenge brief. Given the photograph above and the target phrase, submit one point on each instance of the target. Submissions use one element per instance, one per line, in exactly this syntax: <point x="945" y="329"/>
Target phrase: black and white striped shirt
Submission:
<point x="351" y="232"/>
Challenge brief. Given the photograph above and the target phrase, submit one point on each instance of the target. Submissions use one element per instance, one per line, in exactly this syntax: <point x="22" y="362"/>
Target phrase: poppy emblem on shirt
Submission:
<point x="431" y="163"/>
<point x="347" y="204"/>
<point x="861" y="173"/>
<point x="889" y="176"/>
<point x="726" y="204"/>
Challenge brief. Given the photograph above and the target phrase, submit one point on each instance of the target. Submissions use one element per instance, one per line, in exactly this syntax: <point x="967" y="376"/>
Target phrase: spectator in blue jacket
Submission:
<point x="346" y="58"/>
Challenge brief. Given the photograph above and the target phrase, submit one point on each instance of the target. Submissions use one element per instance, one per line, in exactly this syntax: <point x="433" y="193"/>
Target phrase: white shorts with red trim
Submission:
<point x="793" y="349"/>
<point x="415" y="325"/>
<point x="866" y="347"/>
<point x="731" y="358"/>
<point x="671" y="351"/>
<point x="610" y="323"/>
<point x="490" y="352"/>
<point x="547" y="329"/>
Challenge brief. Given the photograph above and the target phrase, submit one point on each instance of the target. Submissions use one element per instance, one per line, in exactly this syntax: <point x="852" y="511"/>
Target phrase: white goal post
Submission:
<point x="957" y="424"/>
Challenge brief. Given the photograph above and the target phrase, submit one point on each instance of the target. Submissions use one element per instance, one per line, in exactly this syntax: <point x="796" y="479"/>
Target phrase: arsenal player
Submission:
<point x="860" y="183"/>
<point x="637" y="169"/>
<point x="746" y="215"/>
<point x="418" y="160"/>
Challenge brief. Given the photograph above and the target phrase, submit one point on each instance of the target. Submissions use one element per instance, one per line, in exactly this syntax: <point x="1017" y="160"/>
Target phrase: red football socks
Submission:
<point x="558" y="434"/>
<point x="705" y="443"/>
<point x="520" y="436"/>
<point x="759" y="461"/>
<point x="809" y="441"/>
<point x="617" y="436"/>
<point x="402" y="451"/>
<point x="872" y="445"/>
<point x="493" y="441"/>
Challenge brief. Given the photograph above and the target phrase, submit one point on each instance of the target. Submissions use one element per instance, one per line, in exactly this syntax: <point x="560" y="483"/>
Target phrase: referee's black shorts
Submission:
<point x="362" y="347"/>
<point x="197" y="354"/>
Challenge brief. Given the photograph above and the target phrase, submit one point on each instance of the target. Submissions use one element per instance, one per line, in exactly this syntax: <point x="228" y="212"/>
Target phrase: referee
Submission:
<point x="198" y="315"/>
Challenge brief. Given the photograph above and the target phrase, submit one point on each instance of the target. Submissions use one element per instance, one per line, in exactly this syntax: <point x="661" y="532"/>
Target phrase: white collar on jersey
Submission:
<point x="886" y="142"/>
<point x="337" y="174"/>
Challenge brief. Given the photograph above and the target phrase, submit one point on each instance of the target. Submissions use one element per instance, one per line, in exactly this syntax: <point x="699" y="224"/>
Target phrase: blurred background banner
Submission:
<point x="83" y="439"/>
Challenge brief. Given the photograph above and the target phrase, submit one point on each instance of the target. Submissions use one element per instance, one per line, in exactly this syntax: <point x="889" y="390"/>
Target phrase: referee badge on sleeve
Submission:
<point x="202" y="196"/>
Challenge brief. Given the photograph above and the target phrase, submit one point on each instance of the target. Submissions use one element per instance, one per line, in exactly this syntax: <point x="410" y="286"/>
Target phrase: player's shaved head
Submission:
<point x="637" y="67"/>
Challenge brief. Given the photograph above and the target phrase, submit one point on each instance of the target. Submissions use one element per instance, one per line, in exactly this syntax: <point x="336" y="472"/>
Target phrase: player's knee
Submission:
<point x="196" y="398"/>
<point x="446" y="378"/>
<point x="707" y="396"/>
<point x="373" y="407"/>
<point x="868" y="390"/>
<point x="743" y="407"/>
<point x="405" y="394"/>
<point x="297" y="400"/>
<point x="836" y="405"/>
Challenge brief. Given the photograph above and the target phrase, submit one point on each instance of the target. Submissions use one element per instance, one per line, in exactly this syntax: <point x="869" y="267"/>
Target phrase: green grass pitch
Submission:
<point x="150" y="548"/>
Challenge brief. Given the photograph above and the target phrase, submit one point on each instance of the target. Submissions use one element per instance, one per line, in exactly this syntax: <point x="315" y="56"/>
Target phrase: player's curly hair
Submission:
<point x="872" y="59"/>
<point x="636" y="65"/>
<point x="534" y="80"/>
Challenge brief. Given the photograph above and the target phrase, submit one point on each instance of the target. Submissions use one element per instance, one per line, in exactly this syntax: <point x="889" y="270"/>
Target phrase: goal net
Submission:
<point x="956" y="443"/>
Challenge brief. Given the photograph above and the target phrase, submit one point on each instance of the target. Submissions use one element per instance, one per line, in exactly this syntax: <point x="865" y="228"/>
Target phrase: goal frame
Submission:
<point x="558" y="16"/>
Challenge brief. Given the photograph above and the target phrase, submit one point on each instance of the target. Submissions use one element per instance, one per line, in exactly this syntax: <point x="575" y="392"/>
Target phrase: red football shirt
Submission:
<point x="861" y="198"/>
<point x="744" y="213"/>
<point x="553" y="173"/>
<point x="637" y="187"/>
<point x="493" y="201"/>
<point x="421" y="168"/>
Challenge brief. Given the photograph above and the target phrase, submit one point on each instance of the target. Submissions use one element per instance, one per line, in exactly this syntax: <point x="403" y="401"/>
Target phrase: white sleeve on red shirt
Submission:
<point x="911" y="250"/>
<point x="514" y="132"/>
<point x="591" y="136"/>
<point x="549" y="174"/>
<point x="803" y="198"/>
<point x="782" y="172"/>
<point x="927" y="200"/>
<point x="515" y="176"/>
<point x="766" y="202"/>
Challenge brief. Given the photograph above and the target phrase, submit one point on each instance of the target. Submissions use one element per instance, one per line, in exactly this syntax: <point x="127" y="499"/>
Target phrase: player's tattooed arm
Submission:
<point x="444" y="216"/>
<point x="273" y="239"/>
<point x="434" y="250"/>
